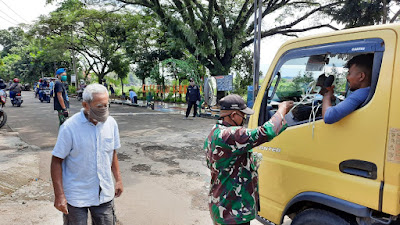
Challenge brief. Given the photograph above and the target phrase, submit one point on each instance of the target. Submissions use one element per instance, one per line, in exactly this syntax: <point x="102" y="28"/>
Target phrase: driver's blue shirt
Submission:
<point x="335" y="113"/>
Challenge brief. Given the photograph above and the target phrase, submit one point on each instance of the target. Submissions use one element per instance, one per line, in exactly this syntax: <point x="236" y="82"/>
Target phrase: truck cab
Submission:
<point x="343" y="173"/>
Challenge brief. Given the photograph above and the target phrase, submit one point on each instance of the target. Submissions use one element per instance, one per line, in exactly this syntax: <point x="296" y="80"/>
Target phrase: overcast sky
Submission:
<point x="14" y="12"/>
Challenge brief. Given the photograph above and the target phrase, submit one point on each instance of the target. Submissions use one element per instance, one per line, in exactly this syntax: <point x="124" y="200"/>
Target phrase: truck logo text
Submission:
<point x="269" y="149"/>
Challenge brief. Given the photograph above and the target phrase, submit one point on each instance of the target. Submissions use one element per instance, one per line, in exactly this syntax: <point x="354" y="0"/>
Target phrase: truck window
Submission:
<point x="299" y="79"/>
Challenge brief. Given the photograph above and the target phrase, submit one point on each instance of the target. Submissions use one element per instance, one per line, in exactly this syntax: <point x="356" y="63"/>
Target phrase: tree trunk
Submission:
<point x="122" y="85"/>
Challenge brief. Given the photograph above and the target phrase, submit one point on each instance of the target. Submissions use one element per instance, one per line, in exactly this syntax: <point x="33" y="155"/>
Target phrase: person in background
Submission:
<point x="15" y="88"/>
<point x="133" y="96"/>
<point x="2" y="84"/>
<point x="105" y="84"/>
<point x="192" y="98"/>
<point x="112" y="90"/>
<point x="51" y="86"/>
<point x="61" y="101"/>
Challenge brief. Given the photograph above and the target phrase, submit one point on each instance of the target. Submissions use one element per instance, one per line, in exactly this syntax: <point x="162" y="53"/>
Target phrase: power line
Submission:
<point x="7" y="20"/>
<point x="9" y="17"/>
<point x="13" y="11"/>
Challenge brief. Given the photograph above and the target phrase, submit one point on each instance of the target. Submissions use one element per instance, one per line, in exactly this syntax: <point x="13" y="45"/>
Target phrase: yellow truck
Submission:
<point x="332" y="174"/>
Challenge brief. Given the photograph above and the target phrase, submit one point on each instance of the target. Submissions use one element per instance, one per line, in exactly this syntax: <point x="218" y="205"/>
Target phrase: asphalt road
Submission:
<point x="161" y="159"/>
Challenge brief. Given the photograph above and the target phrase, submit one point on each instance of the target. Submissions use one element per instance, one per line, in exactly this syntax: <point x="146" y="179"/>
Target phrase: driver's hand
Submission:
<point x="284" y="107"/>
<point x="329" y="91"/>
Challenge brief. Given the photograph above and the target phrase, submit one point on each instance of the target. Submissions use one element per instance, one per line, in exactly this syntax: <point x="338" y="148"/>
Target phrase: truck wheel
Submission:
<point x="318" y="217"/>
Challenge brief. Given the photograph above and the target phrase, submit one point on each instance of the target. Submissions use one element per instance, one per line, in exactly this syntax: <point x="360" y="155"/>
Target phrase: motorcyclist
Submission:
<point x="15" y="88"/>
<point x="2" y="84"/>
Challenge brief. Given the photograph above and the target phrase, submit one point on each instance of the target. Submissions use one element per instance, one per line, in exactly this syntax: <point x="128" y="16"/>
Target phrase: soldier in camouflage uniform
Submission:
<point x="233" y="165"/>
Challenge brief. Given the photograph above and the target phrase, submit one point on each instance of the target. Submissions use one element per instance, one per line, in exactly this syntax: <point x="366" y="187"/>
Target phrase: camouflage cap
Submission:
<point x="235" y="102"/>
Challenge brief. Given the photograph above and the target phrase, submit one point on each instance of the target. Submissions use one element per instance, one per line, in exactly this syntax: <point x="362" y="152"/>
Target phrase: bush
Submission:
<point x="71" y="89"/>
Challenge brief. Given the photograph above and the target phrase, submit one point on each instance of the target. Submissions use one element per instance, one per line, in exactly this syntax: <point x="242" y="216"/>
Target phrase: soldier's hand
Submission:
<point x="284" y="107"/>
<point x="60" y="202"/>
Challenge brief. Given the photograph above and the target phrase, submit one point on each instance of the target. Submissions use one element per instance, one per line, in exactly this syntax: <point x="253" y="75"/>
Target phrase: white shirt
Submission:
<point x="87" y="150"/>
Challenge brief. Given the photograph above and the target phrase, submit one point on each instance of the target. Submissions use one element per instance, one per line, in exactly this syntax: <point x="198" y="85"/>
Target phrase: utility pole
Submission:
<point x="257" y="44"/>
<point x="74" y="59"/>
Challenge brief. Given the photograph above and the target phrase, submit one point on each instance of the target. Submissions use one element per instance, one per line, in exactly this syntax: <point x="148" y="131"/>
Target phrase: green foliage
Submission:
<point x="356" y="13"/>
<point x="301" y="81"/>
<point x="243" y="67"/>
<point x="216" y="33"/>
<point x="71" y="89"/>
<point x="13" y="37"/>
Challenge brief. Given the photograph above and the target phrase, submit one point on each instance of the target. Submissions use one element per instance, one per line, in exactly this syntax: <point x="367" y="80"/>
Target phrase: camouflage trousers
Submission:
<point x="61" y="117"/>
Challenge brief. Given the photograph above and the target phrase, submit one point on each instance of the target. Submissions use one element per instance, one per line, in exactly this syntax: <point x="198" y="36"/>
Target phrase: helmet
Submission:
<point x="16" y="80"/>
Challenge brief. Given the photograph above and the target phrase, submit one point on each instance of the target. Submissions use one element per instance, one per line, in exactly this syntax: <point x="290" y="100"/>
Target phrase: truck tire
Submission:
<point x="318" y="217"/>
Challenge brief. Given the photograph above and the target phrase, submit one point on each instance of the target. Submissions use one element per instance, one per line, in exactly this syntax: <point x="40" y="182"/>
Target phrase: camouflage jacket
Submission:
<point x="234" y="179"/>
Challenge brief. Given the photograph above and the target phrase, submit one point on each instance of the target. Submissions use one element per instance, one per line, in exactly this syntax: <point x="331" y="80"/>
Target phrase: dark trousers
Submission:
<point x="101" y="215"/>
<point x="134" y="99"/>
<point x="190" y="104"/>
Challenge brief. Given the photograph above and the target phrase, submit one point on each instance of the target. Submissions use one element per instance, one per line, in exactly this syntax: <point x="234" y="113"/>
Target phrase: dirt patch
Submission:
<point x="122" y="156"/>
<point x="141" y="168"/>
<point x="176" y="171"/>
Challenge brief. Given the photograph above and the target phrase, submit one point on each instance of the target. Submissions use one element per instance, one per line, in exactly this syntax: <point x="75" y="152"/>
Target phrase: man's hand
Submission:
<point x="284" y="107"/>
<point x="60" y="202"/>
<point x="119" y="188"/>
<point x="329" y="91"/>
<point x="65" y="112"/>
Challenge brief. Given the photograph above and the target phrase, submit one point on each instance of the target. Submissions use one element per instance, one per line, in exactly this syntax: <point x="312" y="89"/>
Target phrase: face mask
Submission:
<point x="241" y="124"/>
<point x="63" y="78"/>
<point x="99" y="114"/>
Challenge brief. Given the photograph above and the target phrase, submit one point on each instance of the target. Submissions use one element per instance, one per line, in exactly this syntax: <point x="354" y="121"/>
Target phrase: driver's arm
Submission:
<point x="327" y="100"/>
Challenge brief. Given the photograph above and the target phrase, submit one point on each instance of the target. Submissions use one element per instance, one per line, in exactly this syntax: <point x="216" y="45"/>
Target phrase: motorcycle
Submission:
<point x="3" y="115"/>
<point x="79" y="94"/>
<point x="17" y="100"/>
<point x="45" y="95"/>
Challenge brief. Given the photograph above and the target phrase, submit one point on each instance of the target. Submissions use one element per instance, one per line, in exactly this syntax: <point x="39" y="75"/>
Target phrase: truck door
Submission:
<point x="345" y="159"/>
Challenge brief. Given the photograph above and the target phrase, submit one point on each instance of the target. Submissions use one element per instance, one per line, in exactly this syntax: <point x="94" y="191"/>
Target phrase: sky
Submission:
<point x="14" y="12"/>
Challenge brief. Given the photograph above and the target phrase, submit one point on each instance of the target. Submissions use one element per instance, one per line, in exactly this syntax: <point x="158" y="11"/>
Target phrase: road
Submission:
<point x="161" y="159"/>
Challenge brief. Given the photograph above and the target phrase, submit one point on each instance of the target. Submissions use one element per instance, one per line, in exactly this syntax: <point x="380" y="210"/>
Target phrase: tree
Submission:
<point x="10" y="38"/>
<point x="121" y="67"/>
<point x="215" y="31"/>
<point x="243" y="68"/>
<point x="97" y="35"/>
<point x="356" y="13"/>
